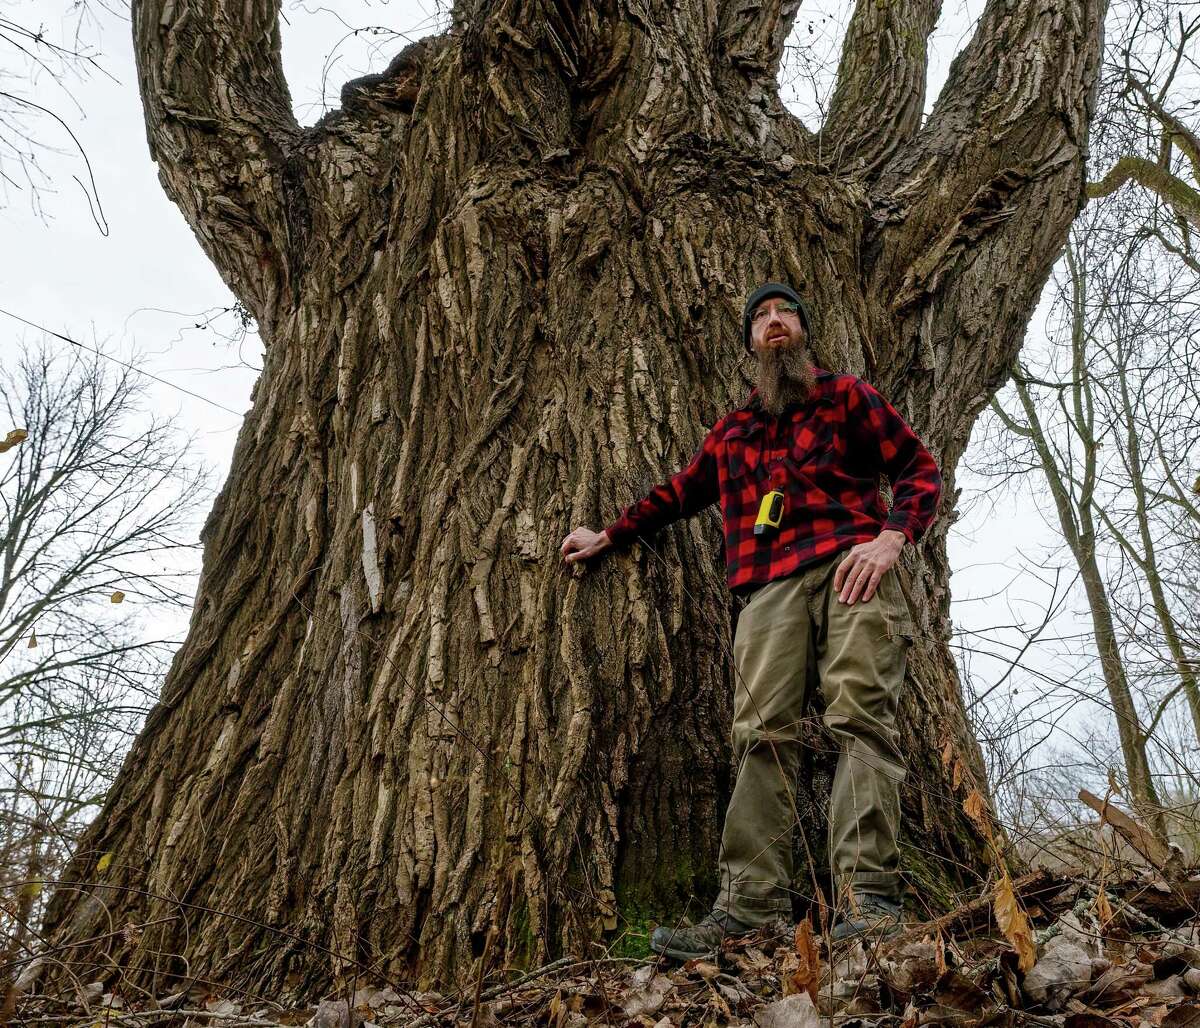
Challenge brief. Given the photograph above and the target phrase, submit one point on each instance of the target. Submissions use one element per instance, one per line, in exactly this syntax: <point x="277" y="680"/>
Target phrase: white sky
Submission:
<point x="146" y="285"/>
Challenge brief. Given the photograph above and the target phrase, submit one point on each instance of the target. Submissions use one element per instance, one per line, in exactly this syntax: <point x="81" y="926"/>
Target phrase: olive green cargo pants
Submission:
<point x="789" y="629"/>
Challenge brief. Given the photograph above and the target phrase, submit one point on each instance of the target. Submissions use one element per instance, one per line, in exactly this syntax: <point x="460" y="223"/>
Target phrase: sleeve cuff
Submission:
<point x="621" y="532"/>
<point x="903" y="524"/>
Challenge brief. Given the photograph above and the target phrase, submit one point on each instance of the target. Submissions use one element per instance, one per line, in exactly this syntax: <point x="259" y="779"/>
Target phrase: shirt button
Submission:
<point x="787" y="547"/>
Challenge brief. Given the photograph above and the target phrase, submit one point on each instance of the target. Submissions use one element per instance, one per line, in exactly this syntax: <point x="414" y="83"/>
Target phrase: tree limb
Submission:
<point x="880" y="93"/>
<point x="1184" y="200"/>
<point x="974" y="211"/>
<point x="1015" y="427"/>
<point x="752" y="35"/>
<point x="220" y="126"/>
<point x="989" y="139"/>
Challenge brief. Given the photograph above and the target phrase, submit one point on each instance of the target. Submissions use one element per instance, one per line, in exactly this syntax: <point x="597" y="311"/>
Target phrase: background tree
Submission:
<point x="499" y="290"/>
<point x="1104" y="410"/>
<point x="30" y="52"/>
<point x="96" y="525"/>
<point x="1071" y="470"/>
<point x="1149" y="354"/>
<point x="1150" y="140"/>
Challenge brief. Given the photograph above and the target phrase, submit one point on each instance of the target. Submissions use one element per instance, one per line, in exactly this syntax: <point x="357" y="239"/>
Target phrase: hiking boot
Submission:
<point x="699" y="941"/>
<point x="876" y="915"/>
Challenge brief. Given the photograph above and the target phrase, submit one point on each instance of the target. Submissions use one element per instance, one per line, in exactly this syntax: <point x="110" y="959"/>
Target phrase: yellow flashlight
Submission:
<point x="770" y="512"/>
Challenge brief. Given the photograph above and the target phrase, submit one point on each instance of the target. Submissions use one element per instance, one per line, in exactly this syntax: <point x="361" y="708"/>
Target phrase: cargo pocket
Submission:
<point x="899" y="628"/>
<point x="895" y="610"/>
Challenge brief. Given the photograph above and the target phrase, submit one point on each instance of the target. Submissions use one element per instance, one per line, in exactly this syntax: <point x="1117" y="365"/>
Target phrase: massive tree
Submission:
<point x="500" y="291"/>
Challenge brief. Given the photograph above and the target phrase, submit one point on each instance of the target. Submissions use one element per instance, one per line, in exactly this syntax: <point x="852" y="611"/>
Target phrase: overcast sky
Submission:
<point x="146" y="287"/>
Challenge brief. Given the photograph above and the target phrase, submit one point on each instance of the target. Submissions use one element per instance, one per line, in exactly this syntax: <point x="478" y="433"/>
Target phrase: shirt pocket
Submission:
<point x="815" y="440"/>
<point x="743" y="449"/>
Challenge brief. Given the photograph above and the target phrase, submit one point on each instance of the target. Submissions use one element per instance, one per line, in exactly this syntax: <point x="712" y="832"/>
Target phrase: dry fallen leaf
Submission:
<point x="705" y="969"/>
<point x="1186" y="1015"/>
<point x="975" y="807"/>
<point x="790" y="1012"/>
<point x="1104" y="910"/>
<point x="1063" y="969"/>
<point x="646" y="999"/>
<point x="1014" y="923"/>
<point x="807" y="976"/>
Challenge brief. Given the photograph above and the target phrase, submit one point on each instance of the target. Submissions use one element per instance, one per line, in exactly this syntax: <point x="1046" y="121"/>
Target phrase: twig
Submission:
<point x="142" y="1016"/>
<point x="1145" y="842"/>
<point x="483" y="961"/>
<point x="498" y="990"/>
<point x="1041" y="884"/>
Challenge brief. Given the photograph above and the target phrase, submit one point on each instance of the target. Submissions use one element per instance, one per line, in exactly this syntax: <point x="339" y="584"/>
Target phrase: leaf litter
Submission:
<point x="1048" y="949"/>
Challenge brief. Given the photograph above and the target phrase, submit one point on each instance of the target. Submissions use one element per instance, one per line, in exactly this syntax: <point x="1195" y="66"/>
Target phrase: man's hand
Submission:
<point x="584" y="543"/>
<point x="857" y="576"/>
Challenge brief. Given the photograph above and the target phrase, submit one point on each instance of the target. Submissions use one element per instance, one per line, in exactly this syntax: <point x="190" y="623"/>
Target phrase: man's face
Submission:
<point x="775" y="325"/>
<point x="785" y="368"/>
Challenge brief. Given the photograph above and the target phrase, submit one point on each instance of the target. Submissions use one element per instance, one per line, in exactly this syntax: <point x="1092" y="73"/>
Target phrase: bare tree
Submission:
<point x="1108" y="428"/>
<point x="499" y="292"/>
<point x="1148" y="135"/>
<point x="33" y="126"/>
<point x="96" y="519"/>
<point x="96" y="554"/>
<point x="1140" y="312"/>
<point x="1150" y="387"/>
<point x="1070" y="470"/>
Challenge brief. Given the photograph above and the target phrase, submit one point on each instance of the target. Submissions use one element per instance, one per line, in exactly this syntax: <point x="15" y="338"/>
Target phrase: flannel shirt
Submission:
<point x="825" y="455"/>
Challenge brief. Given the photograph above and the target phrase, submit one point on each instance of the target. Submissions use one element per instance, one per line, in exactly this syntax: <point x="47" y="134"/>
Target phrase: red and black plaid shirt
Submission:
<point x="825" y="455"/>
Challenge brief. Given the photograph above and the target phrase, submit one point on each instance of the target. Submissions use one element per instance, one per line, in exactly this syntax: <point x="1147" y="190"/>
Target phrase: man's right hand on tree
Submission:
<point x="584" y="543"/>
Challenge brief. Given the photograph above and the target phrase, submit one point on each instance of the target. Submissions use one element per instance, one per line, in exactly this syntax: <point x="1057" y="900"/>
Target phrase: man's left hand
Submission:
<point x="858" y="575"/>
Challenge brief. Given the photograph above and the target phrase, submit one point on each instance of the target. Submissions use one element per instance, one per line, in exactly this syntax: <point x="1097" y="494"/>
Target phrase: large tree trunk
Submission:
<point x="500" y="293"/>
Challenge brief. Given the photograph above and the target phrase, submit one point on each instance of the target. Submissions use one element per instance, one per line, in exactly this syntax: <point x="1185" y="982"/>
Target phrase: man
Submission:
<point x="810" y="543"/>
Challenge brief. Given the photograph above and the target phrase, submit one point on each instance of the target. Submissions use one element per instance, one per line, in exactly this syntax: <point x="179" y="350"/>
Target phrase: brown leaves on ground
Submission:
<point x="805" y="976"/>
<point x="1094" y="965"/>
<point x="1014" y="922"/>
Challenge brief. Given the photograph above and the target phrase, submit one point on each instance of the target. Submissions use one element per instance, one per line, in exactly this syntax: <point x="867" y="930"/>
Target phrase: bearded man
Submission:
<point x="811" y="545"/>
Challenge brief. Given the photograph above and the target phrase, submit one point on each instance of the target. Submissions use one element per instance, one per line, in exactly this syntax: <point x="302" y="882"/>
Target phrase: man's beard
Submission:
<point x="785" y="375"/>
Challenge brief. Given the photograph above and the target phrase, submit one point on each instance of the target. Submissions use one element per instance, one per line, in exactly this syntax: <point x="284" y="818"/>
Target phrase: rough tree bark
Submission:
<point x="499" y="290"/>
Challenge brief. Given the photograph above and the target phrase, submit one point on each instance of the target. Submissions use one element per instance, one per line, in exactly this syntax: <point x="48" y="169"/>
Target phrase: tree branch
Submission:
<point x="973" y="213"/>
<point x="1015" y="427"/>
<point x="220" y="126"/>
<point x="880" y="93"/>
<point x="752" y="35"/>
<point x="1184" y="200"/>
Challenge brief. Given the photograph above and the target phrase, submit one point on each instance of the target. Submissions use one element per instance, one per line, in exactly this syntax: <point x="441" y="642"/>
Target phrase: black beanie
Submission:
<point x="766" y="291"/>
